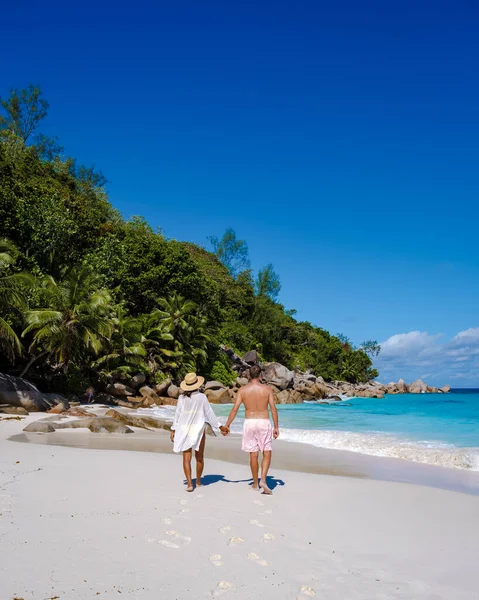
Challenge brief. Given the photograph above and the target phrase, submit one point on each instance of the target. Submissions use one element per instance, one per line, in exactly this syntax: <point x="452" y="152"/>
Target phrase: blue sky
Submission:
<point x="339" y="139"/>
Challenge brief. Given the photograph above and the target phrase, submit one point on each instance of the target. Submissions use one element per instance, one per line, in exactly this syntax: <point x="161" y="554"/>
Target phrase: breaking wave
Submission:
<point x="431" y="453"/>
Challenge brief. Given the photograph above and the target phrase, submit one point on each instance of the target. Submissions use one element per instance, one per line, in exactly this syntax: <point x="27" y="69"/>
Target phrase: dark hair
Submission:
<point x="254" y="372"/>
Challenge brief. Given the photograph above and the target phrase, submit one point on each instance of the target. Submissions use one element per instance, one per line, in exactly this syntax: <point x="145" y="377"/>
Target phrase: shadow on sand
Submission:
<point x="272" y="482"/>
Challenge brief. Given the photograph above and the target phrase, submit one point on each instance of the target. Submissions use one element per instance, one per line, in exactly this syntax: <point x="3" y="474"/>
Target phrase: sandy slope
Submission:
<point x="81" y="524"/>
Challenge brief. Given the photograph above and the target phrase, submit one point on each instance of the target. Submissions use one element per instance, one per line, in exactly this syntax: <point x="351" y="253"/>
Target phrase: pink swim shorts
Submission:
<point x="257" y="435"/>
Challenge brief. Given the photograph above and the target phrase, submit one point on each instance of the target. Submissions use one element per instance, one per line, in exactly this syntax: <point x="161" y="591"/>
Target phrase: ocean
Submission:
<point x="437" y="429"/>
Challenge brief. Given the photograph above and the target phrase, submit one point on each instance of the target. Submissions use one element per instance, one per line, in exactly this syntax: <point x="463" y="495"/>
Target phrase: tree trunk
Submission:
<point x="30" y="363"/>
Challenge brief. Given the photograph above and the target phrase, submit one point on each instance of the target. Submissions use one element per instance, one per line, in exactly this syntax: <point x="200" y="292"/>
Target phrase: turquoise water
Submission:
<point x="441" y="429"/>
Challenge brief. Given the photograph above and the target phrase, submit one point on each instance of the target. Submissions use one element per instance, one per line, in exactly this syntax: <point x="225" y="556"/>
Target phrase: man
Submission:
<point x="257" y="431"/>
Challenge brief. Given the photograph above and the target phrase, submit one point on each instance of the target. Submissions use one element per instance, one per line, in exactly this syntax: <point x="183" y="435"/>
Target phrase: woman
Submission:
<point x="193" y="412"/>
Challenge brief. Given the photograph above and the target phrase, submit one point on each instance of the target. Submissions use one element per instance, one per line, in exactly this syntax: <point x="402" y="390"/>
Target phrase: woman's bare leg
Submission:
<point x="187" y="469"/>
<point x="200" y="460"/>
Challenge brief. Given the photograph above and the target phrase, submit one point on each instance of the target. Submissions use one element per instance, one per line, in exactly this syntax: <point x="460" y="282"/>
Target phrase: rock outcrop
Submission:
<point x="220" y="396"/>
<point x="120" y="389"/>
<point x="417" y="387"/>
<point x="15" y="391"/>
<point x="278" y="375"/>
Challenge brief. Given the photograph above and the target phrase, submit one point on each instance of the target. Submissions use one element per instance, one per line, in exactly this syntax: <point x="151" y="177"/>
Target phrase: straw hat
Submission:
<point x="191" y="382"/>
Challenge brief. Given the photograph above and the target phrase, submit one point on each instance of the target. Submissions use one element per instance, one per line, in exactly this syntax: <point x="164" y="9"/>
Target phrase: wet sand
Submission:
<point x="287" y="456"/>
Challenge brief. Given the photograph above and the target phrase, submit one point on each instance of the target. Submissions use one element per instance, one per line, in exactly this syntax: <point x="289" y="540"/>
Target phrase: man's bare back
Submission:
<point x="255" y="396"/>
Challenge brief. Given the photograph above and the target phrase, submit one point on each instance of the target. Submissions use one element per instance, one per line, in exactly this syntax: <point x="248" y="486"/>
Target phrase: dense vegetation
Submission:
<point x="86" y="296"/>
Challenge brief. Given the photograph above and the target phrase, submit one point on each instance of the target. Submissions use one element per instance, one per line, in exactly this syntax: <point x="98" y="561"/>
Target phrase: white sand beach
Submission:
<point x="79" y="523"/>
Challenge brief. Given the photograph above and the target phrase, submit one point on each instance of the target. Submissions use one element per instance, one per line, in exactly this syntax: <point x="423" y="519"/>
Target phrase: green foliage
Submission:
<point x="231" y="251"/>
<point x="24" y="110"/>
<point x="218" y="367"/>
<point x="13" y="295"/>
<point x="371" y="347"/>
<point x="222" y="373"/>
<point x="143" y="303"/>
<point x="267" y="283"/>
<point x="75" y="319"/>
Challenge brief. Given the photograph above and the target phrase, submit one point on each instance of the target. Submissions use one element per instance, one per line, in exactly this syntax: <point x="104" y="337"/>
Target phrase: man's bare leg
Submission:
<point x="200" y="460"/>
<point x="187" y="469"/>
<point x="264" y="472"/>
<point x="253" y="462"/>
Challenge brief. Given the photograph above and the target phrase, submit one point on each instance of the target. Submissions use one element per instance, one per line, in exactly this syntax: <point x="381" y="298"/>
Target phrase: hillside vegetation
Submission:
<point x="86" y="296"/>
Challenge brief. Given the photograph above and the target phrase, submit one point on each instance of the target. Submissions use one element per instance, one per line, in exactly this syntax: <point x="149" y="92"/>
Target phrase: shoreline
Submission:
<point x="287" y="455"/>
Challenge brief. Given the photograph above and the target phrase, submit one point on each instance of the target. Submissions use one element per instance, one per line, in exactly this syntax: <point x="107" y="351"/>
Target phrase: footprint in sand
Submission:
<point x="183" y="511"/>
<point x="222" y="587"/>
<point x="224" y="529"/>
<point x="150" y="540"/>
<point x="254" y="557"/>
<point x="258" y="503"/>
<point x="215" y="559"/>
<point x="177" y="536"/>
<point x="168" y="544"/>
<point x="166" y="520"/>
<point x="268" y="537"/>
<point x="183" y="502"/>
<point x="306" y="592"/>
<point x="257" y="523"/>
<point x="234" y="541"/>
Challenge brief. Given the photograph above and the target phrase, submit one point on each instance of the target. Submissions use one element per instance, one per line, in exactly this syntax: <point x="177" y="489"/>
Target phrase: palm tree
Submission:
<point x="157" y="342"/>
<point x="183" y="320"/>
<point x="77" y="320"/>
<point x="349" y="371"/>
<point x="12" y="298"/>
<point x="125" y="351"/>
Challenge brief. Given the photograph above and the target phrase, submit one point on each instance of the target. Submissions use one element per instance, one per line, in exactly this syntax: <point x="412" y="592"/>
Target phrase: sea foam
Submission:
<point x="372" y="444"/>
<point x="376" y="444"/>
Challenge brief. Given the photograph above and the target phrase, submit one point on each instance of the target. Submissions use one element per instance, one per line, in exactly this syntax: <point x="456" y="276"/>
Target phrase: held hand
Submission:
<point x="172" y="436"/>
<point x="224" y="430"/>
<point x="275" y="433"/>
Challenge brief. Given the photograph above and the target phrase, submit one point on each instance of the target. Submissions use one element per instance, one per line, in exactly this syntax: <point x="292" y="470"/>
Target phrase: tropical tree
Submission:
<point x="23" y="111"/>
<point x="125" y="351"/>
<point x="76" y="322"/>
<point x="371" y="347"/>
<point x="267" y="282"/>
<point x="12" y="299"/>
<point x="183" y="320"/>
<point x="231" y="251"/>
<point x="348" y="368"/>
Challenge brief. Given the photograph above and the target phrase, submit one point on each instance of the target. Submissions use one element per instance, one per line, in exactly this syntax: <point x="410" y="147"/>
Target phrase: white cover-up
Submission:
<point x="191" y="415"/>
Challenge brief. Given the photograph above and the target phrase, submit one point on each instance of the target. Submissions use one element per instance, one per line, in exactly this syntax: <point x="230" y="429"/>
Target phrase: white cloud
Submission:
<point x="409" y="355"/>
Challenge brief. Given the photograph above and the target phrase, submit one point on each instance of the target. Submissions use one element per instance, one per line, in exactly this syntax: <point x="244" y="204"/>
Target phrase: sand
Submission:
<point x="81" y="523"/>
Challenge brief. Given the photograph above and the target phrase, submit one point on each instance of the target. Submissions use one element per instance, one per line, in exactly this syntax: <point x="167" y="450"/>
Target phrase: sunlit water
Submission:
<point x="441" y="429"/>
